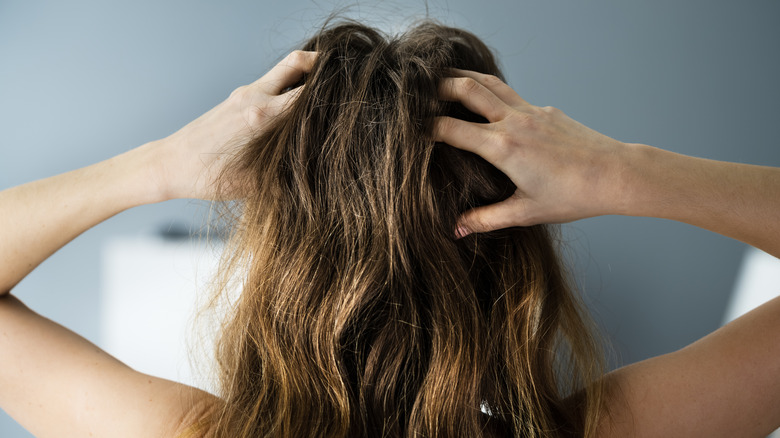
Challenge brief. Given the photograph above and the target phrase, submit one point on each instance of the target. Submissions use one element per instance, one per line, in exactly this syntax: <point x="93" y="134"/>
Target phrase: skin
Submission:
<point x="57" y="384"/>
<point x="723" y="385"/>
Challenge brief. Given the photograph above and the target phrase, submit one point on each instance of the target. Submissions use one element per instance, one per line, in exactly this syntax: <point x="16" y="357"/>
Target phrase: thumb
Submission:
<point x="488" y="218"/>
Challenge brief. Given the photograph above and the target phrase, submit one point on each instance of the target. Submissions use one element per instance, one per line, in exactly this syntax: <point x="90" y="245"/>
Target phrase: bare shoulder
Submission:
<point x="726" y="384"/>
<point x="60" y="385"/>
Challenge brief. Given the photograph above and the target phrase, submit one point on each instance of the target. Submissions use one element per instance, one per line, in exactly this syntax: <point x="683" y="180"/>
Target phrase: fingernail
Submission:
<point x="461" y="232"/>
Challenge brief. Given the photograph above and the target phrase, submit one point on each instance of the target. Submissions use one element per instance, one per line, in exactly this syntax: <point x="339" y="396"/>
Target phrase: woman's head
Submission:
<point x="361" y="314"/>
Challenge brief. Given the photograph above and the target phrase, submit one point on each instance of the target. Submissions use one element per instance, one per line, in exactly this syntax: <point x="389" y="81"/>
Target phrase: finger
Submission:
<point x="287" y="72"/>
<point x="494" y="84"/>
<point x="491" y="217"/>
<point x="473" y="96"/>
<point x="283" y="100"/>
<point x="473" y="137"/>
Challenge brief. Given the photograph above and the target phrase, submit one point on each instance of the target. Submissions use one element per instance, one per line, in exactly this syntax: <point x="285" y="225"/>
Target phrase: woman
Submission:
<point x="394" y="282"/>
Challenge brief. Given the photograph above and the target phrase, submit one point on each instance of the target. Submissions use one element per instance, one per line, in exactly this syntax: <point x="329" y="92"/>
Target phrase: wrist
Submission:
<point x="142" y="175"/>
<point x="619" y="167"/>
<point x="629" y="167"/>
<point x="654" y="182"/>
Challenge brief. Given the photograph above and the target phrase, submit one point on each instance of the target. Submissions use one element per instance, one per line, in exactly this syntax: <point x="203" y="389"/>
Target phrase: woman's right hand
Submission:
<point x="563" y="170"/>
<point x="194" y="156"/>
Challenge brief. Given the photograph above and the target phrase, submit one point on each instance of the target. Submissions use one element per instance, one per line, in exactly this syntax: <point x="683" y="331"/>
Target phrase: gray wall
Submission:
<point x="83" y="80"/>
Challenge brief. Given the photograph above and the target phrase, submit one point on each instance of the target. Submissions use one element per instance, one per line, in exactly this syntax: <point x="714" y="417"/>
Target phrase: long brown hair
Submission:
<point x="360" y="313"/>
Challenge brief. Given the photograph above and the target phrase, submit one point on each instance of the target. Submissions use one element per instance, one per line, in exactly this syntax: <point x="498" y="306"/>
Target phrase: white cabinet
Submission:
<point x="151" y="288"/>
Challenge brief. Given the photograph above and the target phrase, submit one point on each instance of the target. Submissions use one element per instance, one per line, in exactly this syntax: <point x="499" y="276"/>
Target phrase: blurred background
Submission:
<point x="81" y="81"/>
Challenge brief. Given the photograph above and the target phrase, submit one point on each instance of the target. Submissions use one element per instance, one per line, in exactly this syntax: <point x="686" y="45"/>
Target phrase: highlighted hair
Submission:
<point x="361" y="315"/>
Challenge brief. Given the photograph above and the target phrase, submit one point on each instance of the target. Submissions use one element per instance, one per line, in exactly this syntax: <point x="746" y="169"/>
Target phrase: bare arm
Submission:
<point x="740" y="201"/>
<point x="55" y="383"/>
<point x="728" y="383"/>
<point x="40" y="217"/>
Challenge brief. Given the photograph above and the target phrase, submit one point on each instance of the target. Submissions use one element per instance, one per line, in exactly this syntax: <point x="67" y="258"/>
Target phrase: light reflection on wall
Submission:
<point x="758" y="281"/>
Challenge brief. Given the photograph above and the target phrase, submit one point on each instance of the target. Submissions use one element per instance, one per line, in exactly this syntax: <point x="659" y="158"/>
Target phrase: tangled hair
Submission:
<point x="360" y="314"/>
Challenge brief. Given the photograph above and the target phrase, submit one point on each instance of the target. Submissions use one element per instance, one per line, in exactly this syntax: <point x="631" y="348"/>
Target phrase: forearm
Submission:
<point x="740" y="201"/>
<point x="38" y="218"/>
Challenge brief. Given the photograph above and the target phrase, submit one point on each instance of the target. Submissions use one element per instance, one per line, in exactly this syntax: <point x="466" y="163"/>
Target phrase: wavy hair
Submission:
<point x="360" y="314"/>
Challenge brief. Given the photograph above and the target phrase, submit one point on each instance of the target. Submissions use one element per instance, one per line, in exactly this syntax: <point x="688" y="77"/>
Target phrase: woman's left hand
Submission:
<point x="193" y="157"/>
<point x="563" y="170"/>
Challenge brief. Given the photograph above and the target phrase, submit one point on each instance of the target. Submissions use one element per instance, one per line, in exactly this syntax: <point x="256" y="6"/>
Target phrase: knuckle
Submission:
<point x="504" y="140"/>
<point x="504" y="144"/>
<point x="240" y="91"/>
<point x="491" y="80"/>
<point x="527" y="121"/>
<point x="254" y="115"/>
<point x="469" y="85"/>
<point x="551" y="110"/>
<point x="296" y="58"/>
